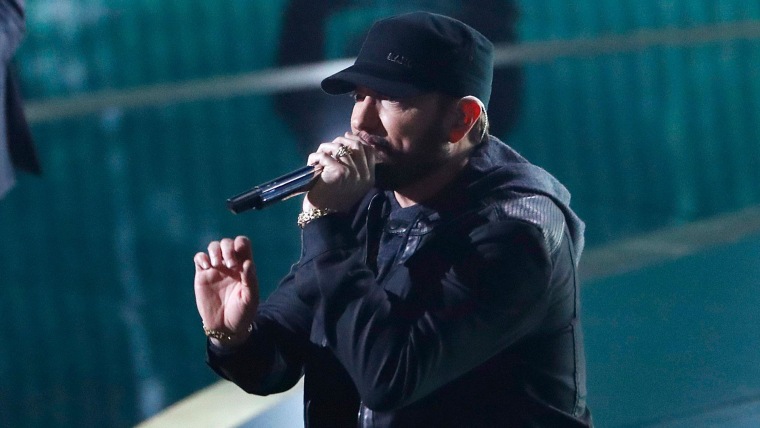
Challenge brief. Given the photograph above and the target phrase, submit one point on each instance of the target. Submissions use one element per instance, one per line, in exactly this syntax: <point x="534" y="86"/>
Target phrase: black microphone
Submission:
<point x="276" y="190"/>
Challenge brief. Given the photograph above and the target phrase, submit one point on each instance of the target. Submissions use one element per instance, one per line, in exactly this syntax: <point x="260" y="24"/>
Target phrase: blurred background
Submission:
<point x="148" y="114"/>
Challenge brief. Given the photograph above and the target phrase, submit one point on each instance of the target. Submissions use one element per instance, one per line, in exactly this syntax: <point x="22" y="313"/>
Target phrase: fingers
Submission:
<point x="242" y="246"/>
<point x="363" y="156"/>
<point x="234" y="253"/>
<point x="215" y="254"/>
<point x="201" y="261"/>
<point x="343" y="180"/>
<point x="225" y="253"/>
<point x="358" y="162"/>
<point x="339" y="148"/>
<point x="324" y="160"/>
<point x="229" y="257"/>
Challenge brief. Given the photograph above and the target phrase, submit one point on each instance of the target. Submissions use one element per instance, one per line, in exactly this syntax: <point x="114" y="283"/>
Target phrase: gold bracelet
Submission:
<point x="312" y="214"/>
<point x="221" y="335"/>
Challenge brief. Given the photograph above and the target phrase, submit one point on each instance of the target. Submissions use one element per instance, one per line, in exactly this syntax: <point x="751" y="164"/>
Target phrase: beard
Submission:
<point x="398" y="175"/>
<point x="428" y="152"/>
<point x="400" y="170"/>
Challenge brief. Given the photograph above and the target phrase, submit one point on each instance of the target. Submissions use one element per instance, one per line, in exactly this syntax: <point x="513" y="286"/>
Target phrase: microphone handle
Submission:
<point x="276" y="190"/>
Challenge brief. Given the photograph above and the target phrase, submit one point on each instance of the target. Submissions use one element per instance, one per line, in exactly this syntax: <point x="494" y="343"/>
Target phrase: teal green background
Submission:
<point x="99" y="322"/>
<point x="677" y="342"/>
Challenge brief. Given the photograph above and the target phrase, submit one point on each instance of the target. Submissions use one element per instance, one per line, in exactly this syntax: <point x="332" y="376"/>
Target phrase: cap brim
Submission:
<point x="354" y="76"/>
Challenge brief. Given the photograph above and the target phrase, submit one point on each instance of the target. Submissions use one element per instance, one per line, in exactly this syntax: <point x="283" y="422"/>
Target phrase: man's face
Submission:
<point x="409" y="135"/>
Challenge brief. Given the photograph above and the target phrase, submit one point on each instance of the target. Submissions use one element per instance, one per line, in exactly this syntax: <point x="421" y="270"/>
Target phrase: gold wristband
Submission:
<point x="222" y="335"/>
<point x="312" y="214"/>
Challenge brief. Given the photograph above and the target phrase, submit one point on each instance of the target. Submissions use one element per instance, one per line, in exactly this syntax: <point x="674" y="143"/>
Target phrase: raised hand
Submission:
<point x="226" y="289"/>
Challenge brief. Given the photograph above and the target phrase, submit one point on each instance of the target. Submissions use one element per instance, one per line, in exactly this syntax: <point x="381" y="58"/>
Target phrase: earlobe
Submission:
<point x="468" y="112"/>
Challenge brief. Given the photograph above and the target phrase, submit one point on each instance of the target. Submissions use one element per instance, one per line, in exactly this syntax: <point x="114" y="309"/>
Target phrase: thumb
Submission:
<point x="249" y="274"/>
<point x="251" y="283"/>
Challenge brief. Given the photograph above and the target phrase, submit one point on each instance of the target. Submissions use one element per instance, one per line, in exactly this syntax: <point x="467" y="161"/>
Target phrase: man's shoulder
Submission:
<point x="510" y="188"/>
<point x="533" y="209"/>
<point x="495" y="166"/>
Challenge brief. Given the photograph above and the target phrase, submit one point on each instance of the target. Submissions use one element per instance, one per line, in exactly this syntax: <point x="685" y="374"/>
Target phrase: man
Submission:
<point x="436" y="285"/>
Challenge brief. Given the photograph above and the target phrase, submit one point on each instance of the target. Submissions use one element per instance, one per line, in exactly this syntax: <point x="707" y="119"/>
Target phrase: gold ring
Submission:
<point x="343" y="151"/>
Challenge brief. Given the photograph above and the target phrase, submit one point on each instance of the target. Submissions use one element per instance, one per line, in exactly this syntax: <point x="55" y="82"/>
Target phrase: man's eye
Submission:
<point x="357" y="97"/>
<point x="394" y="102"/>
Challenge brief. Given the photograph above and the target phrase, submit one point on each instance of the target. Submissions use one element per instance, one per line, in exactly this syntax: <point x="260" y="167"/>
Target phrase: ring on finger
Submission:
<point x="343" y="151"/>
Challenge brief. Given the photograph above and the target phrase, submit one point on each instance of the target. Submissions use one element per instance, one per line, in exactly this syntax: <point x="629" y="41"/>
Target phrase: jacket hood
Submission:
<point x="495" y="169"/>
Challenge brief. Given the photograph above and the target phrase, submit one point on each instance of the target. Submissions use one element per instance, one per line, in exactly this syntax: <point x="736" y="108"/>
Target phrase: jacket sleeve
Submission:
<point x="491" y="294"/>
<point x="272" y="359"/>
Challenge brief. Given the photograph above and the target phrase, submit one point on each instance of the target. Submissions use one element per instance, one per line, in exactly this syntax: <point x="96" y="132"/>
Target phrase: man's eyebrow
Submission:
<point x="370" y="93"/>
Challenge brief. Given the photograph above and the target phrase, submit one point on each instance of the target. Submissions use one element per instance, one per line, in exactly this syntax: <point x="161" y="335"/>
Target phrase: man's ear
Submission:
<point x="468" y="111"/>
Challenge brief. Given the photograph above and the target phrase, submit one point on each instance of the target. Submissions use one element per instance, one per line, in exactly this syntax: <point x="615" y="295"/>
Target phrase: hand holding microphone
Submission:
<point x="348" y="171"/>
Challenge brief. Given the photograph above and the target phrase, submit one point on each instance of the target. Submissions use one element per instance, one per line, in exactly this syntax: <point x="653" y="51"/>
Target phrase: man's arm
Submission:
<point x="259" y="347"/>
<point x="490" y="297"/>
<point x="272" y="358"/>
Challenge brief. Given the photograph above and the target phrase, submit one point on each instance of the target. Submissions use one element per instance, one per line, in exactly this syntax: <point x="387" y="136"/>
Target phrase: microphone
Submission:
<point x="290" y="184"/>
<point x="279" y="189"/>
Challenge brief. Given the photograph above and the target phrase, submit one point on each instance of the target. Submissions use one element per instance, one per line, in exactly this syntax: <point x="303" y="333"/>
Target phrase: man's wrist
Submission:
<point x="312" y="214"/>
<point x="223" y="338"/>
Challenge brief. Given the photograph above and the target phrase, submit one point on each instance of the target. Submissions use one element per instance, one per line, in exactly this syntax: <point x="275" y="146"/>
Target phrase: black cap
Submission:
<point x="414" y="53"/>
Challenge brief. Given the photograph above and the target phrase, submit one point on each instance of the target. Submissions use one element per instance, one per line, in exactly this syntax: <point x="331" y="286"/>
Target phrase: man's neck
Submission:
<point x="429" y="186"/>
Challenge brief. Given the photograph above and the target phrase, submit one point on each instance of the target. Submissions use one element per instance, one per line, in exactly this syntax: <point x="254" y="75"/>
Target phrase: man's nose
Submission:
<point x="365" y="116"/>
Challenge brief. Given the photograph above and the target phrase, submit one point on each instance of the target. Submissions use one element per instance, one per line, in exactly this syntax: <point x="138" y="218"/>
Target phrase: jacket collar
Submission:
<point x="493" y="172"/>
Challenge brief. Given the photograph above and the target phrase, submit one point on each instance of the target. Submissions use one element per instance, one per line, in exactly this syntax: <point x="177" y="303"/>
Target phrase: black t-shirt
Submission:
<point x="395" y="233"/>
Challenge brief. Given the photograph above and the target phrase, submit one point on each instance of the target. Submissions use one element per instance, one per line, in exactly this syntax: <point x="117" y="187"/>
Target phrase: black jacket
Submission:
<point x="476" y="325"/>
